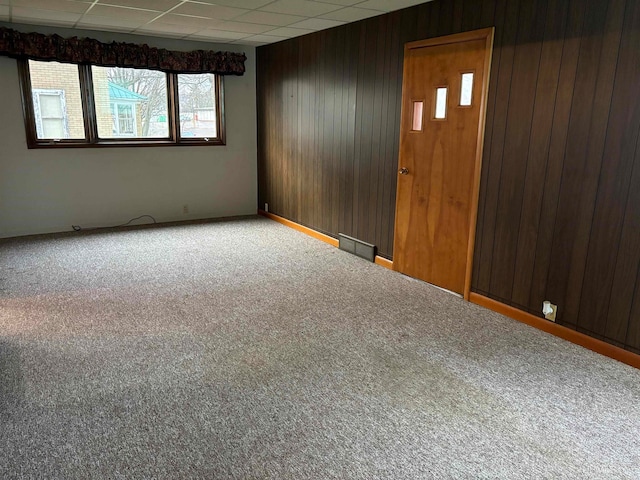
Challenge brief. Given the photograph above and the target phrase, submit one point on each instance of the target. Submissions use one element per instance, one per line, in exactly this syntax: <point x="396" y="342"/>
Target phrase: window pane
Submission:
<point x="57" y="104"/>
<point x="418" y="108"/>
<point x="441" y="103"/>
<point x="130" y="102"/>
<point x="197" y="102"/>
<point x="51" y="105"/>
<point x="52" y="128"/>
<point x="466" y="89"/>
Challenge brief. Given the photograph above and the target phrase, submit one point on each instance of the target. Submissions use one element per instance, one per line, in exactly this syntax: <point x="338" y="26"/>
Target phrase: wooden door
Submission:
<point x="443" y="109"/>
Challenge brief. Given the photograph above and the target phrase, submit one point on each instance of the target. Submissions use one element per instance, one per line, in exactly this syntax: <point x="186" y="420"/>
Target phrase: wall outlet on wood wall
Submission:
<point x="549" y="310"/>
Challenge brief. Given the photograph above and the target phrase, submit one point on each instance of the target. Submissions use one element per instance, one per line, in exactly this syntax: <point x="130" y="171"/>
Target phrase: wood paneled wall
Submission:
<point x="559" y="210"/>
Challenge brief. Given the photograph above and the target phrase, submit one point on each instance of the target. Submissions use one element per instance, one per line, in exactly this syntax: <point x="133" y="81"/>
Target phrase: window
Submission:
<point x="418" y="108"/>
<point x="51" y="116"/>
<point x="124" y="124"/>
<point x="56" y="101"/>
<point x="441" y="103"/>
<point x="197" y="97"/>
<point x="130" y="103"/>
<point x="79" y="105"/>
<point x="466" y="89"/>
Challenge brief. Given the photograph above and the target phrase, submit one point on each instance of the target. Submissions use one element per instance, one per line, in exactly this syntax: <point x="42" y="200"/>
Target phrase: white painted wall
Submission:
<point x="48" y="190"/>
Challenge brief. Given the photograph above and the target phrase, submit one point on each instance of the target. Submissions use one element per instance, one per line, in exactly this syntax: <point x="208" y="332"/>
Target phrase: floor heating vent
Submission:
<point x="357" y="247"/>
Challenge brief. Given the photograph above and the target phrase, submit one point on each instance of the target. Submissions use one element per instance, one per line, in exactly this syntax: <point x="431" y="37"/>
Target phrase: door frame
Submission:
<point x="486" y="34"/>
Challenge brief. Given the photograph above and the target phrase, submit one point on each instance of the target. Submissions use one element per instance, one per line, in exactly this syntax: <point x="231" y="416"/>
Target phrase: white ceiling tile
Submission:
<point x="130" y="14"/>
<point x="344" y="3"/>
<point x="188" y="20"/>
<point x="299" y="7"/>
<point x="389" y="5"/>
<point x="161" y="5"/>
<point x="57" y="5"/>
<point x="159" y="27"/>
<point x="109" y="23"/>
<point x="156" y="33"/>
<point x="211" y="11"/>
<point x="218" y="35"/>
<point x="317" y="24"/>
<point x="247" y="43"/>
<point x="248" y="4"/>
<point x="351" y="14"/>
<point x="44" y="17"/>
<point x="251" y="28"/>
<point x="266" y="18"/>
<point x="288" y="32"/>
<point x="264" y="38"/>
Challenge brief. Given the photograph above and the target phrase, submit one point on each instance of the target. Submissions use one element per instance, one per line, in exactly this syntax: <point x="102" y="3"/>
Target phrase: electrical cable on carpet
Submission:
<point x="78" y="228"/>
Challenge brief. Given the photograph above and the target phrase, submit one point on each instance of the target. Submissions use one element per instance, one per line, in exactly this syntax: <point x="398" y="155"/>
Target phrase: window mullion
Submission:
<point x="88" y="104"/>
<point x="219" y="106"/>
<point x="173" y="111"/>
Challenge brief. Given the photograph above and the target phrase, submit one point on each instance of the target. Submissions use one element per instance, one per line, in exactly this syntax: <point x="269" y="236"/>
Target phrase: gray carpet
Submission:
<point x="245" y="349"/>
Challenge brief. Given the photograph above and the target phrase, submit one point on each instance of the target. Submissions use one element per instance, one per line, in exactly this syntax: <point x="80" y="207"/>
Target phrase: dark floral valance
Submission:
<point x="117" y="54"/>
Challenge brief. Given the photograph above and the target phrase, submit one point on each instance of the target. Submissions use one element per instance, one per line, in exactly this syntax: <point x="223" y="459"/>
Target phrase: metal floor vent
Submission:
<point x="357" y="247"/>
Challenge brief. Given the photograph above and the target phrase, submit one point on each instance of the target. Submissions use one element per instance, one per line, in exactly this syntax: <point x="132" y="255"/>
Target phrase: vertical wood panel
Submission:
<point x="516" y="144"/>
<point x="471" y="13"/>
<point x="318" y="145"/>
<point x="545" y="101"/>
<point x="494" y="148"/>
<point x="445" y="18"/>
<point x="627" y="264"/>
<point x="613" y="187"/>
<point x="555" y="160"/>
<point x="357" y="153"/>
<point x="494" y="10"/>
<point x="386" y="178"/>
<point x="632" y="333"/>
<point x="376" y="160"/>
<point x="458" y="9"/>
<point x="325" y="159"/>
<point x="568" y="250"/>
<point x="608" y="57"/>
<point x="291" y="157"/>
<point x="559" y="208"/>
<point x="339" y="126"/>
<point x="353" y="38"/>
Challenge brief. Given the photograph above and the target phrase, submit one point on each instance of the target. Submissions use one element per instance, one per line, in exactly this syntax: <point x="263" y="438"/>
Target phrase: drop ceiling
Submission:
<point x="246" y="22"/>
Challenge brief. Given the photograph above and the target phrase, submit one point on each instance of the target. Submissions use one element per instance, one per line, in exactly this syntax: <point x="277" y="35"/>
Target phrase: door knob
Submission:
<point x="404" y="171"/>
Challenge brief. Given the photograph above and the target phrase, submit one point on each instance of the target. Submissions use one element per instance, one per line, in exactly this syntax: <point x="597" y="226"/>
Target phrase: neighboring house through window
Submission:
<point x="51" y="113"/>
<point x="125" y="111"/>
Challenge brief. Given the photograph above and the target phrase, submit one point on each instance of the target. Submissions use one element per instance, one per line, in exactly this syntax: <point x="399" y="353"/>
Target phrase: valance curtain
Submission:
<point x="37" y="46"/>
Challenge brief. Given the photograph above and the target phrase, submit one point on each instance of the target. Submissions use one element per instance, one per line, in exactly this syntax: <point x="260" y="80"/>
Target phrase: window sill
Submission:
<point x="125" y="143"/>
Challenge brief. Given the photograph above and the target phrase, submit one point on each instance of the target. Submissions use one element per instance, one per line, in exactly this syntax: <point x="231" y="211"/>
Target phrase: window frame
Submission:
<point x="92" y="140"/>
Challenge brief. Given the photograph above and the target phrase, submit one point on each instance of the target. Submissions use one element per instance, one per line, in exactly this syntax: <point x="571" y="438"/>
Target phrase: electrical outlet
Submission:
<point x="266" y="207"/>
<point x="185" y="209"/>
<point x="549" y="310"/>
